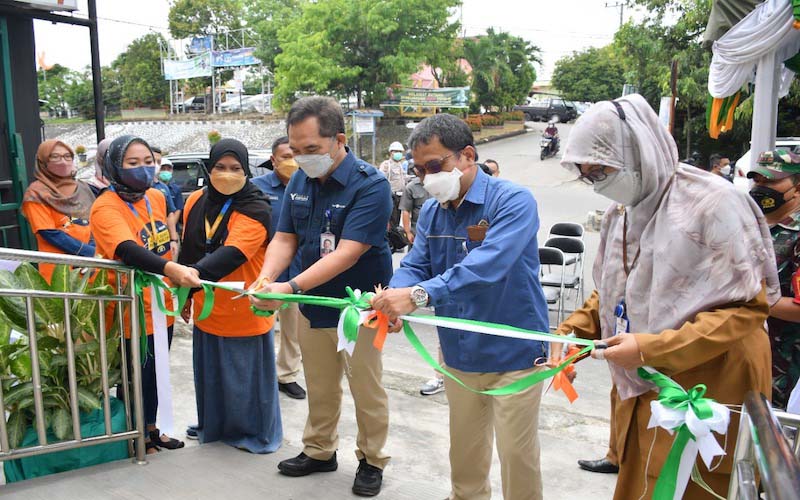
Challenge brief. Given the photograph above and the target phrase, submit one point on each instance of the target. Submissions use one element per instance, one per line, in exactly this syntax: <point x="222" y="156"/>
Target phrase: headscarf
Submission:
<point x="64" y="194"/>
<point x="99" y="180"/>
<point x="112" y="165"/>
<point x="249" y="201"/>
<point x="704" y="245"/>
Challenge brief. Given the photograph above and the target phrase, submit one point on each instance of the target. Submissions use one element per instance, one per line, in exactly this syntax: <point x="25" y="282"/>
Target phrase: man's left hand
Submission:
<point x="394" y="302"/>
<point x="271" y="305"/>
<point x="623" y="350"/>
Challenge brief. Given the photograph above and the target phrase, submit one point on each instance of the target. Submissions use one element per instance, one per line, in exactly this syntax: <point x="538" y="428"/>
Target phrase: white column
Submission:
<point x="765" y="107"/>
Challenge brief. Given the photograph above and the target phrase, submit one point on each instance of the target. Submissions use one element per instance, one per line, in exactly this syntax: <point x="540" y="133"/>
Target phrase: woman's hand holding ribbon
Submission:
<point x="623" y="350"/>
<point x="183" y="276"/>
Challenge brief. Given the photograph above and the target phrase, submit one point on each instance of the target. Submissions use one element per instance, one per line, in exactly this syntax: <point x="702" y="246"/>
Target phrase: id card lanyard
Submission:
<point x="327" y="237"/>
<point x="211" y="229"/>
<point x="151" y="233"/>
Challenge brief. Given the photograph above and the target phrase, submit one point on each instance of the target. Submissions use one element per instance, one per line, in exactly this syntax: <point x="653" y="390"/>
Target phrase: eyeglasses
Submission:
<point x="57" y="157"/>
<point x="431" y="167"/>
<point x="596" y="175"/>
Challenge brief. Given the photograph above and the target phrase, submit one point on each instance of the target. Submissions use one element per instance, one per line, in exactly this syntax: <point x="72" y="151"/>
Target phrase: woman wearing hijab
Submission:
<point x="99" y="183"/>
<point x="225" y="237"/>
<point x="681" y="285"/>
<point x="129" y="224"/>
<point x="57" y="206"/>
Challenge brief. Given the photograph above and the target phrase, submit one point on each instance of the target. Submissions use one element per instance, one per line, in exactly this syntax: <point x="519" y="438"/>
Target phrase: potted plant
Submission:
<point x="16" y="371"/>
<point x="214" y="137"/>
<point x="80" y="150"/>
<point x="474" y="123"/>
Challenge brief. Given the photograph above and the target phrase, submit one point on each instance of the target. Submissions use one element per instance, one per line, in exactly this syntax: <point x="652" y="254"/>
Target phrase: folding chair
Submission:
<point x="569" y="230"/>
<point x="554" y="290"/>
<point x="570" y="247"/>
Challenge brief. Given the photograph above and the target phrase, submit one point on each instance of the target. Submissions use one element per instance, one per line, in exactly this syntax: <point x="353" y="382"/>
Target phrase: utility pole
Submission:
<point x="621" y="7"/>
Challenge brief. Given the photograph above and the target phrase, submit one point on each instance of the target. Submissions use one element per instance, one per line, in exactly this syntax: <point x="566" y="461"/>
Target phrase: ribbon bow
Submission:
<point x="694" y="417"/>
<point x="561" y="379"/>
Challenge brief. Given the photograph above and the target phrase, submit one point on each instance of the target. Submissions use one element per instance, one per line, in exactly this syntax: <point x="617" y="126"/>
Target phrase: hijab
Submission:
<point x="112" y="166"/>
<point x="99" y="180"/>
<point x="703" y="244"/>
<point x="64" y="194"/>
<point x="249" y="201"/>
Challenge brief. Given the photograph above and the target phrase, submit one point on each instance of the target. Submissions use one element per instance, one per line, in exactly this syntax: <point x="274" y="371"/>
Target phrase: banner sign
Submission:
<point x="190" y="68"/>
<point x="49" y="5"/>
<point x="234" y="57"/>
<point x="447" y="97"/>
<point x="200" y="44"/>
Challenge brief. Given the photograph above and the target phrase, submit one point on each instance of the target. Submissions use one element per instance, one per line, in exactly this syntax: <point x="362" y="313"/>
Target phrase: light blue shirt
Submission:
<point x="496" y="280"/>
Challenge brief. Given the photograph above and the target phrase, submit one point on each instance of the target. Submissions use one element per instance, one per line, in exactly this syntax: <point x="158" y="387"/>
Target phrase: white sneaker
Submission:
<point x="432" y="386"/>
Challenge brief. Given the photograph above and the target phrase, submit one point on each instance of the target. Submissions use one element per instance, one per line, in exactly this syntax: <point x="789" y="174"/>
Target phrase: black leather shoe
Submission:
<point x="293" y="390"/>
<point x="303" y="465"/>
<point x="368" y="480"/>
<point x="603" y="466"/>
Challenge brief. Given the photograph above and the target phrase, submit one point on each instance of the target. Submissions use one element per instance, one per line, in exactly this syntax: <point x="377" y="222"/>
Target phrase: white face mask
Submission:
<point x="317" y="165"/>
<point x="726" y="170"/>
<point x="444" y="186"/>
<point x="623" y="186"/>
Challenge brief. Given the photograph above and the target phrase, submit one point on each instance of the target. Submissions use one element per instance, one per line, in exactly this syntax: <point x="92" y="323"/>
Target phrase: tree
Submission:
<point x="139" y="68"/>
<point x="266" y="18"/>
<point x="359" y="46"/>
<point x="54" y="84"/>
<point x="592" y="75"/>
<point x="502" y="68"/>
<point x="204" y="17"/>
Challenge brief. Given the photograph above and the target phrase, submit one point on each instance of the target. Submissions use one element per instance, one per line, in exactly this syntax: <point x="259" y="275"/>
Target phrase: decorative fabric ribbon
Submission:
<point x="694" y="417"/>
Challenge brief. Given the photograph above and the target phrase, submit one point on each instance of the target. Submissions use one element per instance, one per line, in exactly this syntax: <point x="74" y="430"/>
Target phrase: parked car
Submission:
<point x="549" y="109"/>
<point x="742" y="165"/>
<point x="189" y="170"/>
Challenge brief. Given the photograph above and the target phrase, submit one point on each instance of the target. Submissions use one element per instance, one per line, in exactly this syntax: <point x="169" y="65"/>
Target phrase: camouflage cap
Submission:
<point x="776" y="164"/>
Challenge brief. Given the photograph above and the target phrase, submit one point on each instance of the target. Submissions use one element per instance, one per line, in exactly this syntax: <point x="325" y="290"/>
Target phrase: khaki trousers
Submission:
<point x="513" y="420"/>
<point x="323" y="368"/>
<point x="612" y="455"/>
<point x="288" y="360"/>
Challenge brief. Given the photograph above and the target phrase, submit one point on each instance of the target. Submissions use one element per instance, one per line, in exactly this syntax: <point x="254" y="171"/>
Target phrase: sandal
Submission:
<point x="170" y="444"/>
<point x="150" y="445"/>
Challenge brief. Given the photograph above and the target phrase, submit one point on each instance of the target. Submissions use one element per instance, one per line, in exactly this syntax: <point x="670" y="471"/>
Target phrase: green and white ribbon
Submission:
<point x="694" y="417"/>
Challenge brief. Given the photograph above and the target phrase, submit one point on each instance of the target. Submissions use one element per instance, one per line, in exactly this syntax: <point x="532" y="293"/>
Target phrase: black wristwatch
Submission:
<point x="295" y="287"/>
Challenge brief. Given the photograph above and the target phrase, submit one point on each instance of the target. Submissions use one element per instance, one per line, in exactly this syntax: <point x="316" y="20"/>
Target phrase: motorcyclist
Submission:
<point x="551" y="132"/>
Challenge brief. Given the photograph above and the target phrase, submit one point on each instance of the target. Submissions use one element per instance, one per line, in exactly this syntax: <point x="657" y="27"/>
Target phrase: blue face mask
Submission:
<point x="137" y="179"/>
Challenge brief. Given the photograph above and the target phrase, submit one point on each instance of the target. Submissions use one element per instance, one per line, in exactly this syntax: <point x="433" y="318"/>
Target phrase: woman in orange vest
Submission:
<point x="57" y="205"/>
<point x="225" y="237"/>
<point x="128" y="221"/>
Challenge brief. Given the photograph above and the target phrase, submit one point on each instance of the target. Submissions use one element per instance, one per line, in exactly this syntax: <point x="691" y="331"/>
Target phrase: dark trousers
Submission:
<point x="149" y="390"/>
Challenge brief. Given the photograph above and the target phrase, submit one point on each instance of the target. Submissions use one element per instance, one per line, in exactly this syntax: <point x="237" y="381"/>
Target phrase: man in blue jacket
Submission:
<point x="476" y="257"/>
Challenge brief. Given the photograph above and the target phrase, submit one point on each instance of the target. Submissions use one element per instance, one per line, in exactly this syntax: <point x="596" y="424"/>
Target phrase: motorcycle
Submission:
<point x="549" y="147"/>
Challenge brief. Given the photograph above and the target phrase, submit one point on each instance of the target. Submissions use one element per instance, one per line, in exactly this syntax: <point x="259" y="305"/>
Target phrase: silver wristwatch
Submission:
<point x="419" y="296"/>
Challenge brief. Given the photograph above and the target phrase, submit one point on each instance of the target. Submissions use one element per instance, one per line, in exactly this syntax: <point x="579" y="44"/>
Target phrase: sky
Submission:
<point x="557" y="27"/>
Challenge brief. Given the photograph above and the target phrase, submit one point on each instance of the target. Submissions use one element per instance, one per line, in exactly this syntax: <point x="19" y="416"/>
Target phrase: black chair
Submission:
<point x="569" y="230"/>
<point x="570" y="247"/>
<point x="554" y="289"/>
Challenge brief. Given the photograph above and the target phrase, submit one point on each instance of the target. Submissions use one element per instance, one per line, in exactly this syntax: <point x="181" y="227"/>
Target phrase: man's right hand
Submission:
<point x="181" y="275"/>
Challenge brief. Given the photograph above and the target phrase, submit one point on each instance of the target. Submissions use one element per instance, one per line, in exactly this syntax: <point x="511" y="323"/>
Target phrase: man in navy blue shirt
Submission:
<point x="273" y="185"/>
<point x="340" y="202"/>
<point x="475" y="256"/>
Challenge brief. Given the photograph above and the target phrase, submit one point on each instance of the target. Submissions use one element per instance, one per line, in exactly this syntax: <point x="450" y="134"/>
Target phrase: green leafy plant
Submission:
<point x="214" y="137"/>
<point x="80" y="149"/>
<point x="474" y="123"/>
<point x="491" y="121"/>
<point x="84" y="325"/>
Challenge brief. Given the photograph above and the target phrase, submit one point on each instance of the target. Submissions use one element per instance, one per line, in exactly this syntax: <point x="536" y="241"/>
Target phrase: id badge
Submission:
<point x="327" y="243"/>
<point x="621" y="324"/>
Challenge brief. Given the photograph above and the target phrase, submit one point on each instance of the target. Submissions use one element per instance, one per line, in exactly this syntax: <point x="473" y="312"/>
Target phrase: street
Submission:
<point x="418" y="438"/>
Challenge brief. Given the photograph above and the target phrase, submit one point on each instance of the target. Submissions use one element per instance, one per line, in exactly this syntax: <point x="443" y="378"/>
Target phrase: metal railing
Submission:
<point x="767" y="446"/>
<point x="131" y="382"/>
